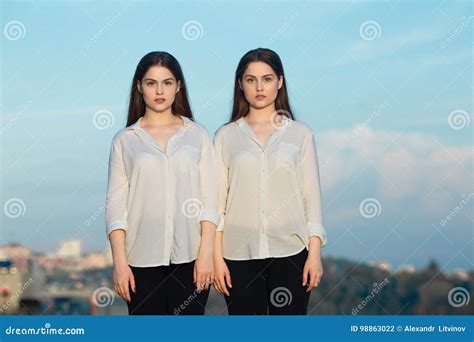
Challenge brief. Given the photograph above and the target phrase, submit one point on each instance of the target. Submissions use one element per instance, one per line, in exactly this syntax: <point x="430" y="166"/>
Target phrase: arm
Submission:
<point x="222" y="274"/>
<point x="116" y="220"/>
<point x="313" y="268"/>
<point x="209" y="218"/>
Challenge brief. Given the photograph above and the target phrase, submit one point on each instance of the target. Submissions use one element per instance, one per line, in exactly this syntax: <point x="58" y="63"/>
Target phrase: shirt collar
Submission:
<point x="280" y="129"/>
<point x="187" y="123"/>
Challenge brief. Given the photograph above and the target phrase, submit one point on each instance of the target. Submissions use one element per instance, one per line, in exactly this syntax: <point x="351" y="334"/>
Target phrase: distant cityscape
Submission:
<point x="68" y="282"/>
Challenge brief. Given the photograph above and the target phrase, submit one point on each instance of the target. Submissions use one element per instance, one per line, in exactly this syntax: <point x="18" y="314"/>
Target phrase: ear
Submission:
<point x="179" y="86"/>
<point x="139" y="87"/>
<point x="280" y="82"/>
<point x="240" y="84"/>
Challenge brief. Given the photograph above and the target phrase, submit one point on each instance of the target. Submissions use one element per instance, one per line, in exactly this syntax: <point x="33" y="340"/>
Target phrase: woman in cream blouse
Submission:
<point x="162" y="196"/>
<point x="267" y="252"/>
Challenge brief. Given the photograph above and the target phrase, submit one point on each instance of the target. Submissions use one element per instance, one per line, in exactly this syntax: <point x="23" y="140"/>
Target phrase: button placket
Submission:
<point x="169" y="207"/>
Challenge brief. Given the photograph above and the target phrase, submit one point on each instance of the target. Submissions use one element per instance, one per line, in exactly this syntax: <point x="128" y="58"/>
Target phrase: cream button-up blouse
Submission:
<point x="160" y="197"/>
<point x="269" y="196"/>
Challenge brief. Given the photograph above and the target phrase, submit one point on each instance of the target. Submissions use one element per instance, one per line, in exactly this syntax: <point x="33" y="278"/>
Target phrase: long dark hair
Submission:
<point x="240" y="107"/>
<point x="180" y="106"/>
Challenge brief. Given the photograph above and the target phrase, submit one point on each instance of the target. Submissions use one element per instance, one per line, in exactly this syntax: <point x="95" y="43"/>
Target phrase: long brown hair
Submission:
<point x="180" y="106"/>
<point x="240" y="107"/>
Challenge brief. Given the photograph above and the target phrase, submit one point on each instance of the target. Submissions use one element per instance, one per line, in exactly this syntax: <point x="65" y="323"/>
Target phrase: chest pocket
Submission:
<point x="189" y="158"/>
<point x="287" y="156"/>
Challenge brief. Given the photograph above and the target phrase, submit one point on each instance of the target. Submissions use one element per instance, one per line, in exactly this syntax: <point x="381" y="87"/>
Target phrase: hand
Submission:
<point x="203" y="271"/>
<point x="123" y="276"/>
<point x="313" y="269"/>
<point x="222" y="277"/>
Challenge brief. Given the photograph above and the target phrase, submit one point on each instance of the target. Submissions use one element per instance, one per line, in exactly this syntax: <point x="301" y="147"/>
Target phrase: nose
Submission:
<point x="259" y="86"/>
<point x="159" y="90"/>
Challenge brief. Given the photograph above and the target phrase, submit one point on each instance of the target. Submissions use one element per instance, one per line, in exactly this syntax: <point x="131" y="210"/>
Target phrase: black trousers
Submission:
<point x="268" y="286"/>
<point x="166" y="290"/>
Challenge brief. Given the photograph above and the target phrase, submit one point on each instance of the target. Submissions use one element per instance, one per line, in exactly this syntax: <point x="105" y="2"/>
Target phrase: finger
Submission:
<point x="132" y="284"/>
<point x="120" y="292"/>
<point x="126" y="291"/>
<point x="216" y="286"/>
<point x="222" y="284"/>
<point x="229" y="281"/>
<point x="194" y="274"/>
<point x="305" y="277"/>
<point x="312" y="281"/>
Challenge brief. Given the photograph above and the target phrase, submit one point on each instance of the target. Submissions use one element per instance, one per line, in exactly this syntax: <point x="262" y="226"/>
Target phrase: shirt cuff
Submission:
<point x="116" y="225"/>
<point x="220" y="227"/>
<point x="317" y="229"/>
<point x="209" y="215"/>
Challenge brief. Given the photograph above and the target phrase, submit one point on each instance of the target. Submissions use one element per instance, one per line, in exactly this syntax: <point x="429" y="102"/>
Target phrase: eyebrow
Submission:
<point x="256" y="76"/>
<point x="151" y="79"/>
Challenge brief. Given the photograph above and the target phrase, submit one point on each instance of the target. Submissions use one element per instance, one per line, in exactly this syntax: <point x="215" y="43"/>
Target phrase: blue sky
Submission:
<point x="376" y="81"/>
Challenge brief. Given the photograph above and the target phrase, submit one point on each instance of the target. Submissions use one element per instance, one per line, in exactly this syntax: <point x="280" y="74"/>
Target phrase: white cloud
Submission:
<point x="398" y="165"/>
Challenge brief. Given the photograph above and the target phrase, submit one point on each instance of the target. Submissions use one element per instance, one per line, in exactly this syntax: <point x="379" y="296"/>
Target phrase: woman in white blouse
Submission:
<point x="162" y="197"/>
<point x="267" y="252"/>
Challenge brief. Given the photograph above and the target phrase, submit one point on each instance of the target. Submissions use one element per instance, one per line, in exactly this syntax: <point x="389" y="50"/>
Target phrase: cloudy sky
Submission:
<point x="386" y="87"/>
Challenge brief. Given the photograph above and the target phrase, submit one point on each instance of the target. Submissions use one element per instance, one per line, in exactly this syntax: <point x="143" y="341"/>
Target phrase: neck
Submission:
<point x="261" y="114"/>
<point x="160" y="118"/>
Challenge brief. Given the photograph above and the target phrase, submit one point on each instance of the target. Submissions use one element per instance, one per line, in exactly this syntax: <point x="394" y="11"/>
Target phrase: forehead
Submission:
<point x="158" y="72"/>
<point x="258" y="69"/>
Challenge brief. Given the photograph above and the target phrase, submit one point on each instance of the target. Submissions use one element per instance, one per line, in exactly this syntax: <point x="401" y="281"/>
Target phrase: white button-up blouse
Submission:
<point x="269" y="197"/>
<point x="160" y="197"/>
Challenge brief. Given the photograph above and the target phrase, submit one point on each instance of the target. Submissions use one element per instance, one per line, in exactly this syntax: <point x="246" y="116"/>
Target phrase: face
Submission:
<point x="260" y="85"/>
<point x="159" y="88"/>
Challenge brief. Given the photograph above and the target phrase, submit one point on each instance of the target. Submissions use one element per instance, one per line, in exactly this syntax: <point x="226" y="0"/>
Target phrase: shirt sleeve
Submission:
<point x="223" y="180"/>
<point x="312" y="189"/>
<point x="117" y="190"/>
<point x="208" y="184"/>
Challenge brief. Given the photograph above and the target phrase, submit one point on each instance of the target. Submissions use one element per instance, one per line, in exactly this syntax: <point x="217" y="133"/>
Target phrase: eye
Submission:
<point x="149" y="83"/>
<point x="249" y="80"/>
<point x="267" y="79"/>
<point x="168" y="83"/>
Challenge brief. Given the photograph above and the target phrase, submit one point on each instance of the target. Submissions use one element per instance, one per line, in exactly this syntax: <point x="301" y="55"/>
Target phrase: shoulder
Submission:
<point x="120" y="136"/>
<point x="224" y="130"/>
<point x="301" y="127"/>
<point x="200" y="128"/>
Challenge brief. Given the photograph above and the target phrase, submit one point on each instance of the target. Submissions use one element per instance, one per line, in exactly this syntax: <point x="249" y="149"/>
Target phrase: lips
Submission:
<point x="160" y="101"/>
<point x="260" y="97"/>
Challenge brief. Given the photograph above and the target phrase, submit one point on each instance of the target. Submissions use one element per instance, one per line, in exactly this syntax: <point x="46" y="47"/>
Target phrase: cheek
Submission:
<point x="248" y="90"/>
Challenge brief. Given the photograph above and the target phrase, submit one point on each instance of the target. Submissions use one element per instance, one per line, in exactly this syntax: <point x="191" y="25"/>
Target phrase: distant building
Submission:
<point x="70" y="249"/>
<point x="406" y="269"/>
